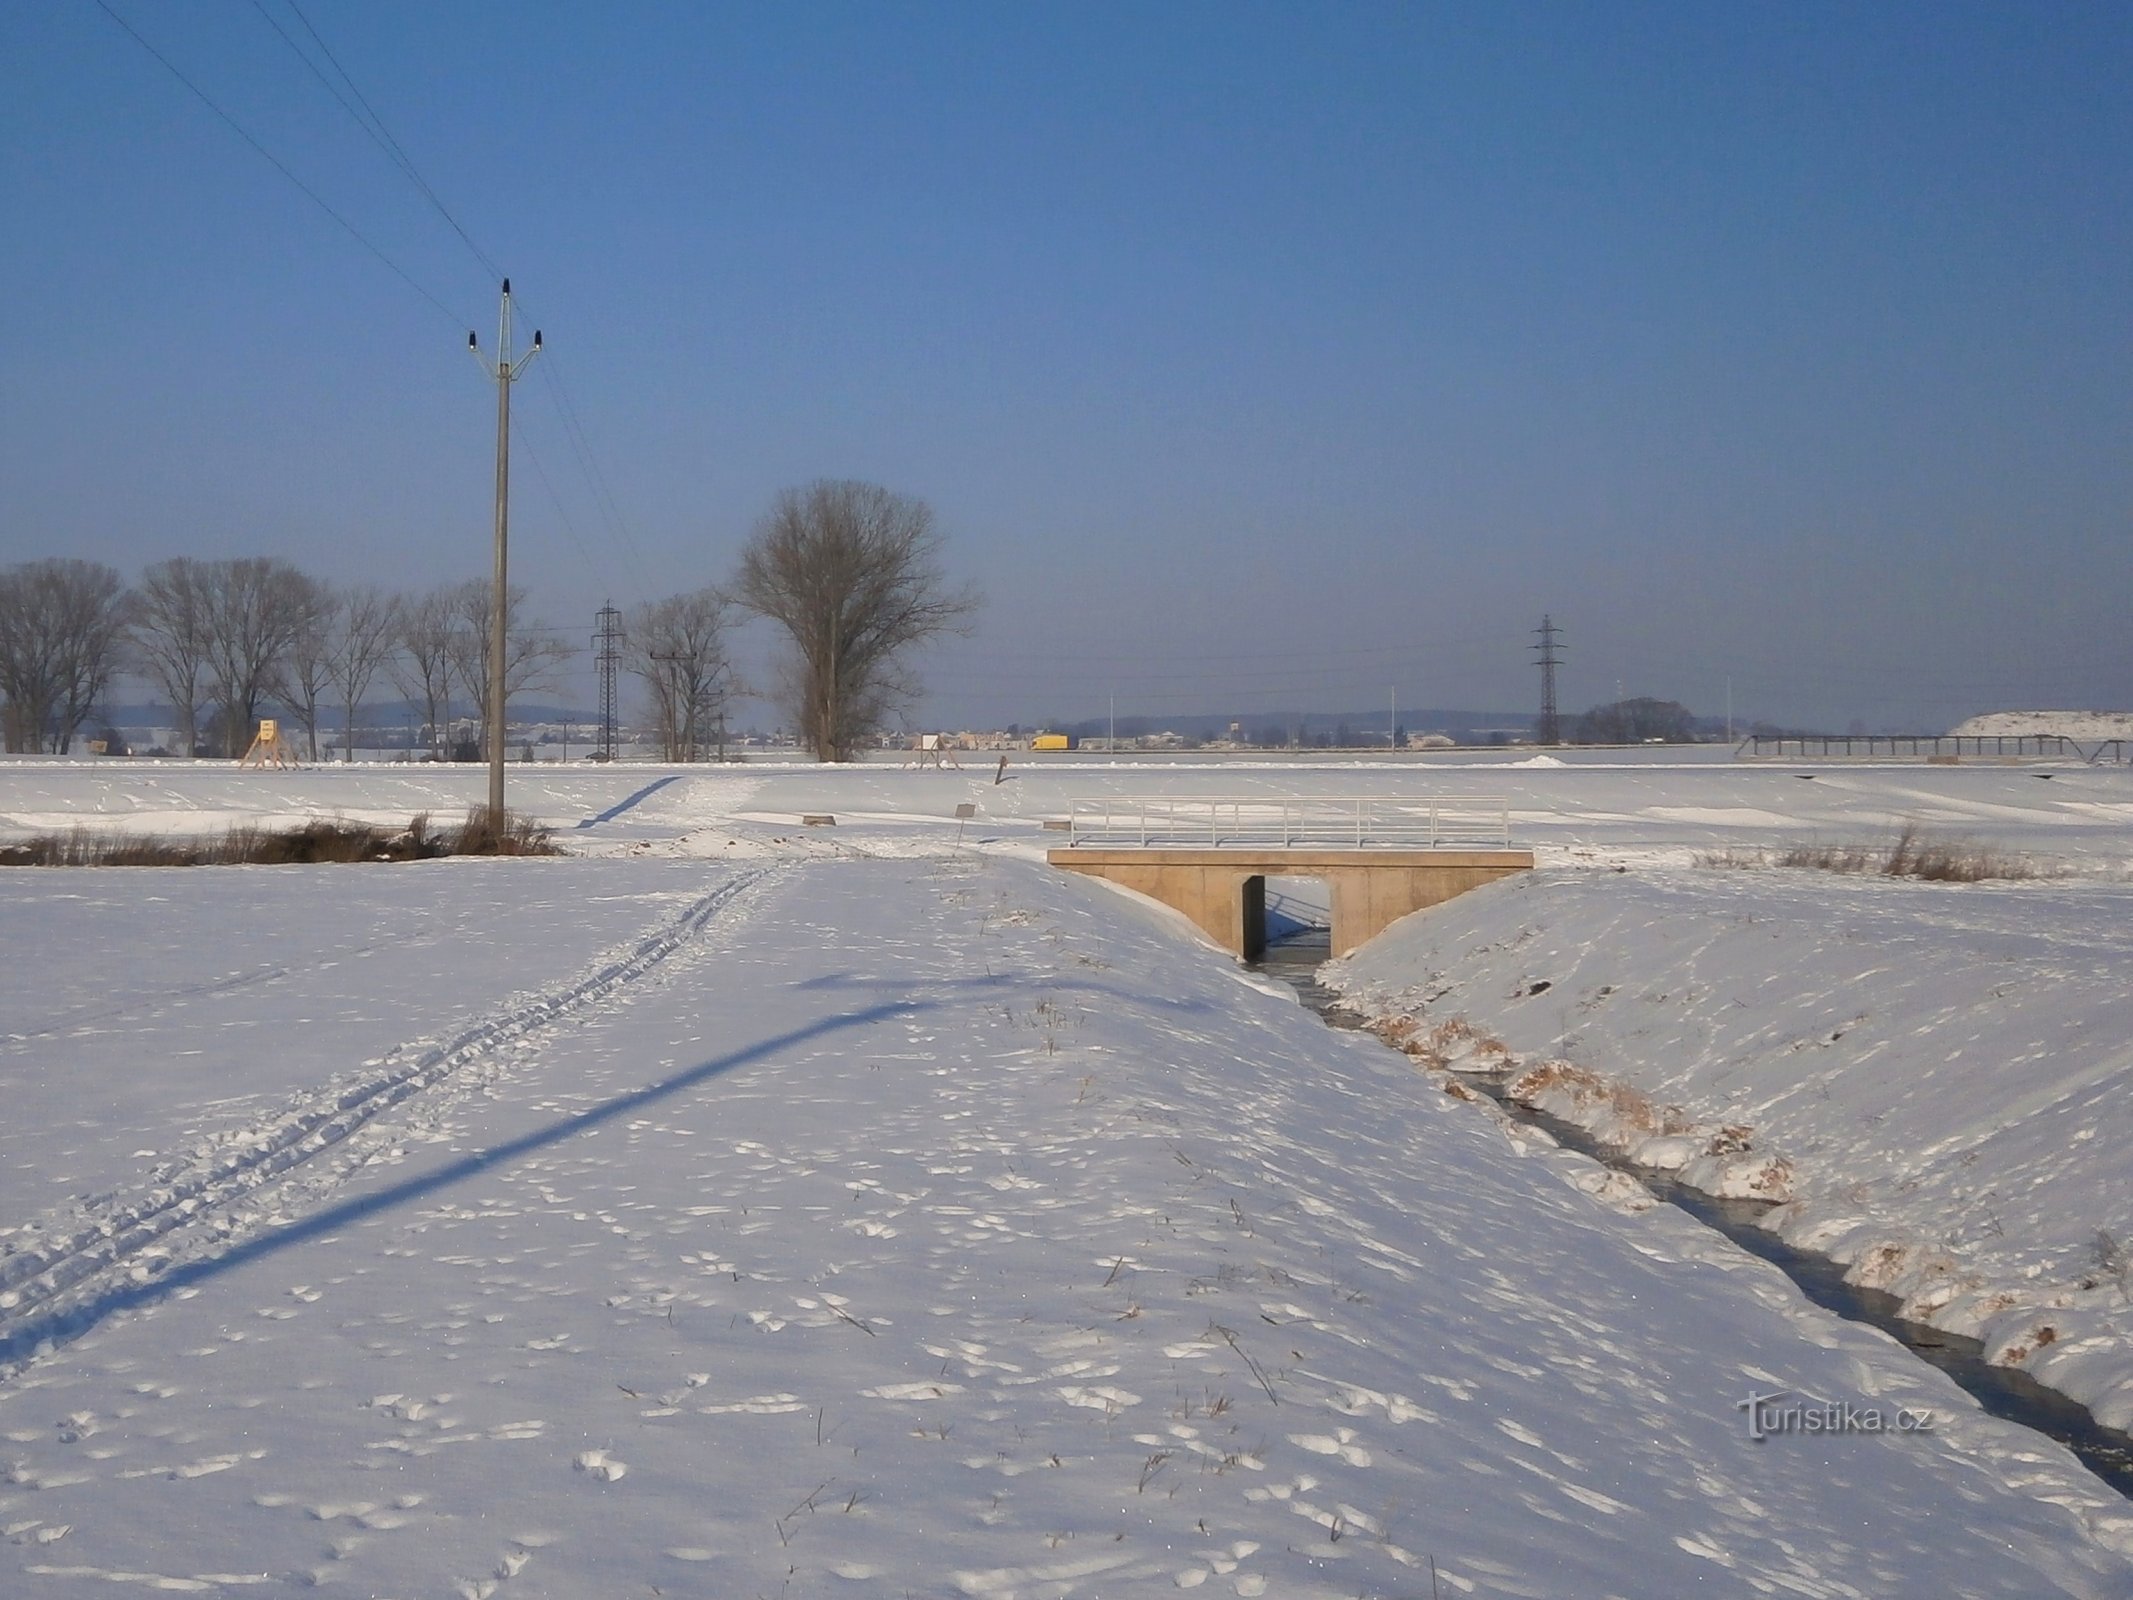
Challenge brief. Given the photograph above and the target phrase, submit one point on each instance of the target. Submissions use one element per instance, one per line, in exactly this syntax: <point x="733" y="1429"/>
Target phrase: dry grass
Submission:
<point x="308" y="843"/>
<point x="1735" y="857"/>
<point x="1451" y="1043"/>
<point x="1913" y="853"/>
<point x="518" y="836"/>
<point x="1635" y="1113"/>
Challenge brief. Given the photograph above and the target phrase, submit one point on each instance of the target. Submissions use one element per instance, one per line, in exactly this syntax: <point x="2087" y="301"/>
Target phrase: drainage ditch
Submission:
<point x="2004" y="1391"/>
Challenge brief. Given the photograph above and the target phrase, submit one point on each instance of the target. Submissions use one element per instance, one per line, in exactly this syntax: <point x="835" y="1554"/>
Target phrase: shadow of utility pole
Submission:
<point x="56" y="1325"/>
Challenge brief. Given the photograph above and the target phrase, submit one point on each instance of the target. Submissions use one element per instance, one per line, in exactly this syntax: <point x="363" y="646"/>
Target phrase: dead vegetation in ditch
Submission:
<point x="1914" y="852"/>
<point x="1614" y="1111"/>
<point x="322" y="840"/>
<point x="1453" y="1042"/>
<point x="1616" y="1115"/>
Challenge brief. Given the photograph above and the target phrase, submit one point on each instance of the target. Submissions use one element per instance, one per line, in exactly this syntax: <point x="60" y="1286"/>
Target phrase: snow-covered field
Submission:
<point x="740" y="1208"/>
<point x="1631" y="805"/>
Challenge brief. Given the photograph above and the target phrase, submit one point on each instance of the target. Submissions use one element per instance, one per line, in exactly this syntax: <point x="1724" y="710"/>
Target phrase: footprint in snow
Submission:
<point x="1340" y="1444"/>
<point x="599" y="1465"/>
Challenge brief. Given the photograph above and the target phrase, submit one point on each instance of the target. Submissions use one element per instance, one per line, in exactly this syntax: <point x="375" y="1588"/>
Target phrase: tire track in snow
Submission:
<point x="123" y="1236"/>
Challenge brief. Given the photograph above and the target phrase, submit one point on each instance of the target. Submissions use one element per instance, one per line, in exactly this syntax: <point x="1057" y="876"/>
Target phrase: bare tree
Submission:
<point x="170" y="639"/>
<point x="530" y="648"/>
<point x="423" y="668"/>
<point x="366" y="633"/>
<point x="62" y="629"/>
<point x="257" y="608"/>
<point x="305" y="674"/>
<point x="678" y="647"/>
<point x="852" y="573"/>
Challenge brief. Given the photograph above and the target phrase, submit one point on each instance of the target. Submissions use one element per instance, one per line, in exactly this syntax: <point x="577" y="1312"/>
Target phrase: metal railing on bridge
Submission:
<point x="1352" y="822"/>
<point x="1943" y="747"/>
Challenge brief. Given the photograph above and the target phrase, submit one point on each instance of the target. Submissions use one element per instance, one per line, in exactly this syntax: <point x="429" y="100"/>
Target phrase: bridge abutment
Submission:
<point x="1223" y="890"/>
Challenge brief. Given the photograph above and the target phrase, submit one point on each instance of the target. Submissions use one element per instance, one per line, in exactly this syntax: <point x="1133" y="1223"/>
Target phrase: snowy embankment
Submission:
<point x="2059" y="724"/>
<point x="945" y="1226"/>
<point x="1932" y="1078"/>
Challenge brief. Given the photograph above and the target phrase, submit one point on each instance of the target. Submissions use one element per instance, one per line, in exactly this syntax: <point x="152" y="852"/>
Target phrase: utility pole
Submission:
<point x="505" y="371"/>
<point x="1392" y="734"/>
<point x="1551" y="727"/>
<point x="676" y="690"/>
<point x="607" y="656"/>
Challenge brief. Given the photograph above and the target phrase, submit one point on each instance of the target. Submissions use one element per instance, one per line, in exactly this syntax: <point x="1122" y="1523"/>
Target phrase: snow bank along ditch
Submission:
<point x="1952" y="1177"/>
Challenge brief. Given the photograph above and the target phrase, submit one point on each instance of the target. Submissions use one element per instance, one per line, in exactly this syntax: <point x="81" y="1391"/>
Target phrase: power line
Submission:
<point x="383" y="135"/>
<point x="375" y="129"/>
<point x="589" y="464"/>
<point x="278" y="165"/>
<point x="562" y="511"/>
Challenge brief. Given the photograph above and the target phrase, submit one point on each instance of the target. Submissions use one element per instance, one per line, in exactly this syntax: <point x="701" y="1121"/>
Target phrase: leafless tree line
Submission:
<point x="225" y="640"/>
<point x="850" y="573"/>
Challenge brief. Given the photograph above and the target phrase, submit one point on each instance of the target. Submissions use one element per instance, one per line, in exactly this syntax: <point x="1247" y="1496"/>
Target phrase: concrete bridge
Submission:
<point x="1223" y="888"/>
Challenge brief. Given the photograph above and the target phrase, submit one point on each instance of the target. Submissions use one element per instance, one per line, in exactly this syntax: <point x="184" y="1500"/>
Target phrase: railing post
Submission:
<point x="1372" y="820"/>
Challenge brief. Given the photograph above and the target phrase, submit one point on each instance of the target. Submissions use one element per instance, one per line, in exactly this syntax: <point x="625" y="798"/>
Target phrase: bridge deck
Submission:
<point x="1361" y="822"/>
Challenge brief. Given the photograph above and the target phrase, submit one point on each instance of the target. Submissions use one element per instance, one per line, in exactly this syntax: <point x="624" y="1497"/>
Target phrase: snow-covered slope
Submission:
<point x="1934" y="1076"/>
<point x="2062" y="724"/>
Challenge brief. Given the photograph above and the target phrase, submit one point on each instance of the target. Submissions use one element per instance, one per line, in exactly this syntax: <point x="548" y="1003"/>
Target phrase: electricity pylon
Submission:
<point x="1550" y="730"/>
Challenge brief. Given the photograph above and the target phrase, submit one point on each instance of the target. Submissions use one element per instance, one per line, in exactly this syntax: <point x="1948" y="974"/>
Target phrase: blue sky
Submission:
<point x="1252" y="357"/>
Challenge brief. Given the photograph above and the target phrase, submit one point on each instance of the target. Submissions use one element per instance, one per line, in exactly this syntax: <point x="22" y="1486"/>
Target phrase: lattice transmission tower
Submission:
<point x="1551" y="725"/>
<point x="607" y="656"/>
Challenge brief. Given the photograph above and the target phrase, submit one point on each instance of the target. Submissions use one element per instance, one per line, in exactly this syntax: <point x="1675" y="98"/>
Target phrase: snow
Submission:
<point x="264" y="982"/>
<point x="1933" y="1077"/>
<point x="2063" y="724"/>
<point x="746" y="1208"/>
